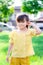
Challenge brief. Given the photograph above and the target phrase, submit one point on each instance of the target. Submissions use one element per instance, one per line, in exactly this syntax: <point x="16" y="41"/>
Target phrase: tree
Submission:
<point x="32" y="6"/>
<point x="6" y="10"/>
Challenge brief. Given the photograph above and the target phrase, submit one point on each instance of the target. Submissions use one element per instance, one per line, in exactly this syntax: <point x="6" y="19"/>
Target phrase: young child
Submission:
<point x="21" y="41"/>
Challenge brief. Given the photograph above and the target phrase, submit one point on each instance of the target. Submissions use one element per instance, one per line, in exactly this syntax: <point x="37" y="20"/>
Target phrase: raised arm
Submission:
<point x="38" y="30"/>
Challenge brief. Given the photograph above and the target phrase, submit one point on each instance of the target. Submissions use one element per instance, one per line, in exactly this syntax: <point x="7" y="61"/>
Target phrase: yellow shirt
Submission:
<point x="22" y="43"/>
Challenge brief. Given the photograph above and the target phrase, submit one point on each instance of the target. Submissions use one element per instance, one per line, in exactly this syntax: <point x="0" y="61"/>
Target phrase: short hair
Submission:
<point x="21" y="17"/>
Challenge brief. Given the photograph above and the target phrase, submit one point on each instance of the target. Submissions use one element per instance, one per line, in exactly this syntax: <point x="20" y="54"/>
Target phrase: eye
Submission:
<point x="19" y="21"/>
<point x="23" y="21"/>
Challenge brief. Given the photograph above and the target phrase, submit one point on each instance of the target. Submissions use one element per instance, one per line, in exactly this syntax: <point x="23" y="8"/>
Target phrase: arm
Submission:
<point x="9" y="51"/>
<point x="38" y="31"/>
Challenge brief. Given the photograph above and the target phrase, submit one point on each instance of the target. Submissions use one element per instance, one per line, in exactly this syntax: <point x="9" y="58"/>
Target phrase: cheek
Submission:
<point x="18" y="23"/>
<point x="25" y="24"/>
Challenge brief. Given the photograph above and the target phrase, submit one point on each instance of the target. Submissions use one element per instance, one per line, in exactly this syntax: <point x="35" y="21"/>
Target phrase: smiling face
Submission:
<point x="22" y="21"/>
<point x="22" y="24"/>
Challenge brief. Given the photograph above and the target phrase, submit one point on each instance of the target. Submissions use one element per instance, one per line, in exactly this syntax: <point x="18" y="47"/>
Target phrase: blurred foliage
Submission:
<point x="32" y="6"/>
<point x="6" y="10"/>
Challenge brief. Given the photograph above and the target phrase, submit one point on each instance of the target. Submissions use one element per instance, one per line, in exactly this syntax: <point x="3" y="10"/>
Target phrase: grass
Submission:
<point x="37" y="44"/>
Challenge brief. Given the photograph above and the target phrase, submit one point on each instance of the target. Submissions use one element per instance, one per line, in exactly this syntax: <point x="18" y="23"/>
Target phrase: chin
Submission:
<point x="21" y="28"/>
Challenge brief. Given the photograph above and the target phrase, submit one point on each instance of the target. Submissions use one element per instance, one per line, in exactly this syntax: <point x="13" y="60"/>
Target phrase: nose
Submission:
<point x="21" y="23"/>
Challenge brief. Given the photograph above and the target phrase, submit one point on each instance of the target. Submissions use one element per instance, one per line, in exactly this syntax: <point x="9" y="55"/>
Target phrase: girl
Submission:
<point x="21" y="41"/>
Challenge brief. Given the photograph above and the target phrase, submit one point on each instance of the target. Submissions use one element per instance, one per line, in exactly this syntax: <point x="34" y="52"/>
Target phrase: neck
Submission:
<point x="23" y="29"/>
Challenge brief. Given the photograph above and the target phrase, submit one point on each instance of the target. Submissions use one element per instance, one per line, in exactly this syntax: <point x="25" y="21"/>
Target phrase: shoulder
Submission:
<point x="12" y="33"/>
<point x="32" y="30"/>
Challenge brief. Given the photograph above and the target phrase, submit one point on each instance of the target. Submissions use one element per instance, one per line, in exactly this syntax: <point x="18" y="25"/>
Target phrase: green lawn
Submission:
<point x="37" y="44"/>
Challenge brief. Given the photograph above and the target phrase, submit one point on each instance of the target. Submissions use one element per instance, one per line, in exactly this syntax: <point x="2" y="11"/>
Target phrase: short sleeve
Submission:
<point x="32" y="32"/>
<point x="11" y="37"/>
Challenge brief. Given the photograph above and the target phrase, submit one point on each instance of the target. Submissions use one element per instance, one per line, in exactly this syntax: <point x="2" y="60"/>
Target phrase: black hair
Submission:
<point x="21" y="18"/>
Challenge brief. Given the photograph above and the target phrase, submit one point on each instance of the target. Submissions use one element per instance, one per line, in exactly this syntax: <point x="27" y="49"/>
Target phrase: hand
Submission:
<point x="7" y="59"/>
<point x="29" y="23"/>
